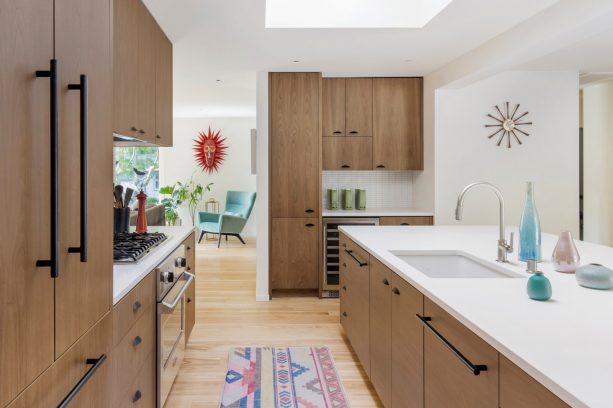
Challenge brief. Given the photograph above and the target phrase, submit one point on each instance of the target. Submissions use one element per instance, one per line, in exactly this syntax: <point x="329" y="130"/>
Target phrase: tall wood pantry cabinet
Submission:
<point x="56" y="283"/>
<point x="295" y="180"/>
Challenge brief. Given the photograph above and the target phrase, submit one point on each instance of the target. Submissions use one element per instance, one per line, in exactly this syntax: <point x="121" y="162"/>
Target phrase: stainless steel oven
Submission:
<point x="331" y="250"/>
<point x="173" y="282"/>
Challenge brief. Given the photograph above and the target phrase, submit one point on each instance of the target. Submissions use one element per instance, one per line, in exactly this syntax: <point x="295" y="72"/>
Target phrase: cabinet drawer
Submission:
<point x="141" y="391"/>
<point x="50" y="389"/>
<point x="190" y="252"/>
<point x="133" y="351"/>
<point x="406" y="221"/>
<point x="132" y="307"/>
<point x="352" y="257"/>
<point x="448" y="379"/>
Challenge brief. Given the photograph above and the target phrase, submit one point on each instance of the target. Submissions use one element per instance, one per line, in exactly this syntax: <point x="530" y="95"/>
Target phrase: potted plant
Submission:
<point x="180" y="193"/>
<point x="171" y="204"/>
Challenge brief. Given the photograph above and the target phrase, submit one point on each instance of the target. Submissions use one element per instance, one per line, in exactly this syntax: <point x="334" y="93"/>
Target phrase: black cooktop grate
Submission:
<point x="131" y="247"/>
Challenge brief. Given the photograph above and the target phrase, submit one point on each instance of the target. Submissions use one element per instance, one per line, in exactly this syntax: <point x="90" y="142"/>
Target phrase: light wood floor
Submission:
<point x="228" y="316"/>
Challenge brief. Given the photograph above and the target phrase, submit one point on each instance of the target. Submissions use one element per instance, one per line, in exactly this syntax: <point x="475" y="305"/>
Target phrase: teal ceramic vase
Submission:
<point x="539" y="287"/>
<point x="594" y="276"/>
<point x="529" y="229"/>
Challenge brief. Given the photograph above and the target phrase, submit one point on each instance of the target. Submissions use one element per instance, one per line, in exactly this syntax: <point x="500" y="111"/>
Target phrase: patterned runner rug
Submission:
<point x="282" y="377"/>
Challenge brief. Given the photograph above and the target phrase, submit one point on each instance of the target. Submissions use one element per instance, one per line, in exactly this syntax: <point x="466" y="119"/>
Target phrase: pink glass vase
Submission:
<point x="565" y="255"/>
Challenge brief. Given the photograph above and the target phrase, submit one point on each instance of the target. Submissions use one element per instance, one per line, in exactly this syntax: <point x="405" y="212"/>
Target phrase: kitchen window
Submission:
<point x="137" y="167"/>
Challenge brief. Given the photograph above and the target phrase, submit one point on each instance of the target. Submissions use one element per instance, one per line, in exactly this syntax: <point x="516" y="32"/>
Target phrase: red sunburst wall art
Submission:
<point x="210" y="150"/>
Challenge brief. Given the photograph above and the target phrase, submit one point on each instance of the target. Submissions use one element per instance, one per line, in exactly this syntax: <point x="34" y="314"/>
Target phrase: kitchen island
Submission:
<point x="564" y="343"/>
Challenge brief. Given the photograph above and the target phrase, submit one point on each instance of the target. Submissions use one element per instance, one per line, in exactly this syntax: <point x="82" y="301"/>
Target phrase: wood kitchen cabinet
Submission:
<point x="190" y="295"/>
<point x="381" y="330"/>
<point x="333" y="106"/>
<point x="358" y="106"/>
<point x="347" y="153"/>
<point x="43" y="319"/>
<point x="448" y="381"/>
<point x="147" y="44"/>
<point x="519" y="390"/>
<point x="406" y="220"/>
<point x="163" y="90"/>
<point x="397" y="123"/>
<point x="295" y="145"/>
<point x="294" y="262"/>
<point x="355" y="298"/>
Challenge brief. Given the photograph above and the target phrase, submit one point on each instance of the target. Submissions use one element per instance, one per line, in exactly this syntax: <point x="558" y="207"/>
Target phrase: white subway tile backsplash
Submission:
<point x="384" y="189"/>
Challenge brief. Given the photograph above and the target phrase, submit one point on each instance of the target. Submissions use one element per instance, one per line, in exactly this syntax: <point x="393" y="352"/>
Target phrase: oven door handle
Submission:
<point x="170" y="306"/>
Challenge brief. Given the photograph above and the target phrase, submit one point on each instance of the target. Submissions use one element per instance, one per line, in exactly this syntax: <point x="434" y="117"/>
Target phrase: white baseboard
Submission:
<point x="262" y="297"/>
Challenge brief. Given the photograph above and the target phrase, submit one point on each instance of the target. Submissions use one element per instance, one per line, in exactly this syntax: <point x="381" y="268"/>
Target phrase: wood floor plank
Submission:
<point x="228" y="316"/>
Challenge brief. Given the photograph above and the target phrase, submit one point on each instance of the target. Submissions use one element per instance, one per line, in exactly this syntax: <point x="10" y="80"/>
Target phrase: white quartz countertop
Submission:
<point x="378" y="212"/>
<point x="565" y="343"/>
<point x="127" y="276"/>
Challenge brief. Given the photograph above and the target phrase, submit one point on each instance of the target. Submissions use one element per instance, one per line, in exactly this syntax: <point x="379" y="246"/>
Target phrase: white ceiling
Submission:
<point x="226" y="40"/>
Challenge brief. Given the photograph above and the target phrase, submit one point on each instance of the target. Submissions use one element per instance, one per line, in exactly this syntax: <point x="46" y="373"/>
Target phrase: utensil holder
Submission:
<point x="121" y="220"/>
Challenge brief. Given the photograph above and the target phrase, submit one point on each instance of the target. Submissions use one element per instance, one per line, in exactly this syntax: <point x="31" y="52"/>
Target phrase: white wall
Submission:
<point x="177" y="163"/>
<point x="598" y="166"/>
<point x="261" y="280"/>
<point x="549" y="156"/>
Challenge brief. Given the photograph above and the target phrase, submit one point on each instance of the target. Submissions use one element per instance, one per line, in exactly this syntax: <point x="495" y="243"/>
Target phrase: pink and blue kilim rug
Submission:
<point x="282" y="377"/>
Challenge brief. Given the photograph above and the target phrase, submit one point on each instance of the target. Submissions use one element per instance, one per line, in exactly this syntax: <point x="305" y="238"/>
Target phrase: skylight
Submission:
<point x="352" y="13"/>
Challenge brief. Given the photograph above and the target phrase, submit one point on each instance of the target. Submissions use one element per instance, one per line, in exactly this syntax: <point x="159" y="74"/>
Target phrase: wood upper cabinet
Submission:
<point x="448" y="381"/>
<point x="82" y="46"/>
<point x="126" y="17"/>
<point x="381" y="330"/>
<point x="519" y="390"/>
<point x="26" y="292"/>
<point x="407" y="380"/>
<point x="147" y="44"/>
<point x="333" y="106"/>
<point x="295" y="144"/>
<point x="358" y="106"/>
<point x="397" y="123"/>
<point x="163" y="90"/>
<point x="347" y="153"/>
<point x="294" y="262"/>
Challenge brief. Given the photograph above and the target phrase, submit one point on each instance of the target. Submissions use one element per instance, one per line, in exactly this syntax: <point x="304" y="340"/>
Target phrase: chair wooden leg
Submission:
<point x="219" y="241"/>
<point x="240" y="238"/>
<point x="201" y="235"/>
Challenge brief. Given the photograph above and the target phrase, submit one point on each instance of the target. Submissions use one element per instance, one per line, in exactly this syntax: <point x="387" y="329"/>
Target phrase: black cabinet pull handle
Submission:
<point x="360" y="263"/>
<point x="475" y="368"/>
<point x="134" y="128"/>
<point x="188" y="268"/>
<point x="344" y="287"/>
<point x="309" y="210"/>
<point x="309" y="225"/>
<point x="141" y="131"/>
<point x="158" y="136"/>
<point x="137" y="340"/>
<point x="189" y="248"/>
<point x="137" y="396"/>
<point x="95" y="364"/>
<point x="404" y="223"/>
<point x="345" y="166"/>
<point x="386" y="282"/>
<point x="83" y="124"/>
<point x="189" y="300"/>
<point x="380" y="166"/>
<point x="345" y="314"/>
<point x="395" y="291"/>
<point x="354" y="132"/>
<point x="337" y="132"/>
<point x="54" y="238"/>
<point x="136" y="306"/>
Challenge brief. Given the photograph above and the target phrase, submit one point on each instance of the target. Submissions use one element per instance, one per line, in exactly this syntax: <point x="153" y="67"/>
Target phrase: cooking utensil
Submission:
<point x="128" y="197"/>
<point x="119" y="195"/>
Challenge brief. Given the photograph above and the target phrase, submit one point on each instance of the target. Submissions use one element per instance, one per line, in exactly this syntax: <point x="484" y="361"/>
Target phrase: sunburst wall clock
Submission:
<point x="509" y="125"/>
<point x="210" y="150"/>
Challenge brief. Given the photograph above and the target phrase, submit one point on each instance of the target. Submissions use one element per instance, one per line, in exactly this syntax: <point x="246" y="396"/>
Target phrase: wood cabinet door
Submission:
<point x="333" y="106"/>
<point x="406" y="220"/>
<point x="519" y="390"/>
<point x="26" y="292"/>
<point x="163" y="89"/>
<point x="190" y="298"/>
<point x="381" y="330"/>
<point x="397" y="124"/>
<point x="147" y="41"/>
<point x="407" y="376"/>
<point x="125" y="67"/>
<point x="448" y="381"/>
<point x="347" y="153"/>
<point x="82" y="46"/>
<point x="294" y="262"/>
<point x="358" y="110"/>
<point x="295" y="145"/>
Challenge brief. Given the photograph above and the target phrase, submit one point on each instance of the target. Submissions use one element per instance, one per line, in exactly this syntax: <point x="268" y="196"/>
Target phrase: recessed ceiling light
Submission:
<point x="352" y="13"/>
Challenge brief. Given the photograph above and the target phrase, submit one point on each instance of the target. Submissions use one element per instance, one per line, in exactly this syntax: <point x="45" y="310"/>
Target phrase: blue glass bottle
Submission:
<point x="529" y="229"/>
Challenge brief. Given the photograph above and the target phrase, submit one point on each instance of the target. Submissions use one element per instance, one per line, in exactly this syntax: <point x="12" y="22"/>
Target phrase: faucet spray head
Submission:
<point x="458" y="211"/>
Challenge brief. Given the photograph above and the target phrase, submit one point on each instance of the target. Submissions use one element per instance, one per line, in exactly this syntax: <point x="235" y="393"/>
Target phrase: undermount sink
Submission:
<point x="453" y="264"/>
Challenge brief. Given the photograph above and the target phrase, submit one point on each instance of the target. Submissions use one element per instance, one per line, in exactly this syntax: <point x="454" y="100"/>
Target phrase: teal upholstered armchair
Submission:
<point x="238" y="209"/>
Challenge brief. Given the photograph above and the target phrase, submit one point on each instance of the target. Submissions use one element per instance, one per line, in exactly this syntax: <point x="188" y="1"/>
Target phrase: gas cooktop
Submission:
<point x="131" y="247"/>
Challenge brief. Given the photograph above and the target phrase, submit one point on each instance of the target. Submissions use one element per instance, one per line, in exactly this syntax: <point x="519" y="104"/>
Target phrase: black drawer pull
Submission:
<point x="309" y="225"/>
<point x="189" y="248"/>
<point x="386" y="282"/>
<point x="136" y="306"/>
<point x="337" y="132"/>
<point x="476" y="369"/>
<point x="380" y="166"/>
<point x="188" y="268"/>
<point x="345" y="166"/>
<point x="158" y="136"/>
<point x="344" y="287"/>
<point x="360" y="263"/>
<point x="95" y="364"/>
<point x="141" y="131"/>
<point x="134" y="129"/>
<point x="309" y="210"/>
<point x="396" y="291"/>
<point x="137" y="396"/>
<point x="189" y="300"/>
<point x="404" y="223"/>
<point x="354" y="132"/>
<point x="137" y="340"/>
<point x="345" y="314"/>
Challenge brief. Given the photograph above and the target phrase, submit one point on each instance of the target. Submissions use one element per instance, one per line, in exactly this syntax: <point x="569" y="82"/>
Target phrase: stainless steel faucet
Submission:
<point x="504" y="247"/>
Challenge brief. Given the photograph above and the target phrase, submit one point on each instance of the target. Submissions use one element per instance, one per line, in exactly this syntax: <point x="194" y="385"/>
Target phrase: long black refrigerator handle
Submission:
<point x="82" y="87"/>
<point x="53" y="261"/>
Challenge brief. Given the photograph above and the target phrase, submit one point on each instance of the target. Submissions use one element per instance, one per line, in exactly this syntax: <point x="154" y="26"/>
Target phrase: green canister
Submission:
<point x="347" y="199"/>
<point x="360" y="199"/>
<point x="332" y="199"/>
